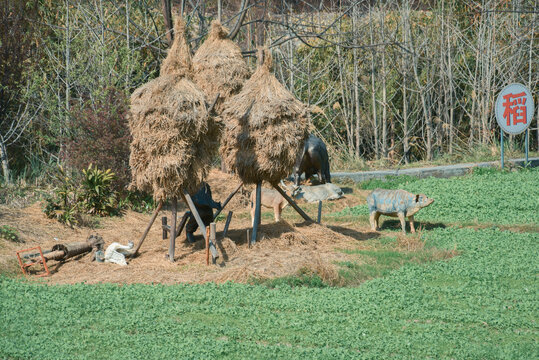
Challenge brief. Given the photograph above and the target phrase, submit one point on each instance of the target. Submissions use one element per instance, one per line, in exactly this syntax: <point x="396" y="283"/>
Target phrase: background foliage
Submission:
<point x="396" y="81"/>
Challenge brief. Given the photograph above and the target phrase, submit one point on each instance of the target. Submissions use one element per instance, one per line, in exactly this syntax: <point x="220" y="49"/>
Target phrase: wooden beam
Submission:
<point x="256" y="222"/>
<point x="228" y="219"/>
<point x="182" y="223"/>
<point x="227" y="200"/>
<point x="319" y="211"/>
<point x="208" y="245"/>
<point x="187" y="198"/>
<point x="172" y="245"/>
<point x="213" y="236"/>
<point x="154" y="216"/>
<point x="165" y="227"/>
<point x="293" y="203"/>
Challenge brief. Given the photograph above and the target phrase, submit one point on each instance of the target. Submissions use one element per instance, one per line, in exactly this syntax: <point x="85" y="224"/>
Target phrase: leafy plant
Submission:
<point x="9" y="233"/>
<point x="137" y="201"/>
<point x="96" y="194"/>
<point x="62" y="204"/>
<point x="92" y="194"/>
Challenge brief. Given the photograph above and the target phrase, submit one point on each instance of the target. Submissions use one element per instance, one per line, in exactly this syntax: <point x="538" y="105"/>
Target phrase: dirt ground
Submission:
<point x="282" y="249"/>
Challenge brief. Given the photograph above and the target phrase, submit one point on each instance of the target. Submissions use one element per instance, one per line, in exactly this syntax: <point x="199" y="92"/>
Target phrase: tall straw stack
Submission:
<point x="218" y="66"/>
<point x="266" y="127"/>
<point x="174" y="139"/>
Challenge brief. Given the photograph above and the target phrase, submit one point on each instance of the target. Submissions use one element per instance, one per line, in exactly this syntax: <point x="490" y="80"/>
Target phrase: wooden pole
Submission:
<point x="212" y="238"/>
<point x="187" y="198"/>
<point x="227" y="200"/>
<point x="248" y="239"/>
<point x="319" y="211"/>
<point x="208" y="245"/>
<point x="228" y="218"/>
<point x="292" y="202"/>
<point x="172" y="244"/>
<point x="182" y="223"/>
<point x="165" y="227"/>
<point x="154" y="216"/>
<point x="257" y="212"/>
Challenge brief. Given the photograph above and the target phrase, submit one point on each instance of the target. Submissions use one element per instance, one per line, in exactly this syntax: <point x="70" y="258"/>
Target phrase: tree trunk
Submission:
<point x="166" y="8"/>
<point x="384" y="89"/>
<point x="5" y="165"/>
<point x="373" y="91"/>
<point x="356" y="81"/>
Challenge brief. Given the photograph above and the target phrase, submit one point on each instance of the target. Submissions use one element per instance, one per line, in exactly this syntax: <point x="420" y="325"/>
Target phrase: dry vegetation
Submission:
<point x="283" y="249"/>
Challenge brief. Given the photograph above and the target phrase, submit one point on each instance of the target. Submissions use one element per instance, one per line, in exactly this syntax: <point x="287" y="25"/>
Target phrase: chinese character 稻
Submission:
<point x="515" y="107"/>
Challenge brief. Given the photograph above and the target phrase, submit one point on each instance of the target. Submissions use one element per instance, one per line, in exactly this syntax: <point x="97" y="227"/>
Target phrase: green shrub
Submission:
<point x="97" y="196"/>
<point x="62" y="204"/>
<point x="92" y="194"/>
<point x="137" y="201"/>
<point x="9" y="233"/>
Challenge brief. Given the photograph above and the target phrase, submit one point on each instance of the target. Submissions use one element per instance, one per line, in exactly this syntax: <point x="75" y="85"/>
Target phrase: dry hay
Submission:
<point x="266" y="127"/>
<point x="174" y="139"/>
<point x="178" y="60"/>
<point x="218" y="66"/>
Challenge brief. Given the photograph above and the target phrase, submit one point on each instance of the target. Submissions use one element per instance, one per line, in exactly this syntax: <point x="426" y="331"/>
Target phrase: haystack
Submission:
<point x="218" y="66"/>
<point x="174" y="139"/>
<point x="266" y="127"/>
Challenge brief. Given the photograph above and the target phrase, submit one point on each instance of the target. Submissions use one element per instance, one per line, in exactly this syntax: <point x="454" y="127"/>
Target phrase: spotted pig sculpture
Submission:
<point x="395" y="203"/>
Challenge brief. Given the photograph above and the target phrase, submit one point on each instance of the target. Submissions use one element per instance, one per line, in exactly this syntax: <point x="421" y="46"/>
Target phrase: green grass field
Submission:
<point x="480" y="304"/>
<point x="486" y="196"/>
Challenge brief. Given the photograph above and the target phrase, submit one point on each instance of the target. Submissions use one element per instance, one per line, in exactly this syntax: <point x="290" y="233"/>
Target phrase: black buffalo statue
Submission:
<point x="204" y="204"/>
<point x="313" y="160"/>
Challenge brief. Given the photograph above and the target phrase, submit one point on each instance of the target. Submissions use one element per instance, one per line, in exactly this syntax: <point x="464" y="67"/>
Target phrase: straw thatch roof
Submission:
<point x="266" y="127"/>
<point x="218" y="66"/>
<point x="174" y="139"/>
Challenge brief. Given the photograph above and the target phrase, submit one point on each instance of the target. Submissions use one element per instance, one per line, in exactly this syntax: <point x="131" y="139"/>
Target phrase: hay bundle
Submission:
<point x="266" y="127"/>
<point x="218" y="66"/>
<point x="173" y="136"/>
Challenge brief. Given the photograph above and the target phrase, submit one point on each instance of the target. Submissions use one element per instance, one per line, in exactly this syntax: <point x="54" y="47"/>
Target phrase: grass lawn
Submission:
<point x="479" y="304"/>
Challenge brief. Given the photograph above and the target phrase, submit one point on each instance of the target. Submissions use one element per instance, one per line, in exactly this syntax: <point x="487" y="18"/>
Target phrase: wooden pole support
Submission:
<point x="227" y="200"/>
<point x="319" y="211"/>
<point x="182" y="223"/>
<point x="164" y="225"/>
<point x="208" y="245"/>
<point x="228" y="219"/>
<point x="213" y="238"/>
<point x="293" y="203"/>
<point x="256" y="222"/>
<point x="187" y="198"/>
<point x="172" y="244"/>
<point x="154" y="216"/>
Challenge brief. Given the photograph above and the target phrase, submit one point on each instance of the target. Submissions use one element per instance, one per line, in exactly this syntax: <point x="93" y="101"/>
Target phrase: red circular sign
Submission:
<point x="514" y="108"/>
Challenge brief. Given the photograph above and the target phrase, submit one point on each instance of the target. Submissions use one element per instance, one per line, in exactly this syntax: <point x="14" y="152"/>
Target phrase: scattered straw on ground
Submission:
<point x="283" y="248"/>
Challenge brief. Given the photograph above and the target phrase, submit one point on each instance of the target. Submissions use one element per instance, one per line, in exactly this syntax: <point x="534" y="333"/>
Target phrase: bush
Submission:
<point x="62" y="204"/>
<point x="94" y="195"/>
<point x="9" y="233"/>
<point x="97" y="196"/>
<point x="99" y="135"/>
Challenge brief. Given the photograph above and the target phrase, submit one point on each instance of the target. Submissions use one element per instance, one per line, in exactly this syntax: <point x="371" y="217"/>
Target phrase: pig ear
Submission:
<point x="417" y="198"/>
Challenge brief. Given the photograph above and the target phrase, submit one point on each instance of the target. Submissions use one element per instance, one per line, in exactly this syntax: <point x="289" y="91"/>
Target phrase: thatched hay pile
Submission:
<point x="218" y="66"/>
<point x="174" y="139"/>
<point x="266" y="127"/>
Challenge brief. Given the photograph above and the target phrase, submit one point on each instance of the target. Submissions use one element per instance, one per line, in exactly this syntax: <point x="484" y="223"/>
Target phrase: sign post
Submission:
<point x="514" y="112"/>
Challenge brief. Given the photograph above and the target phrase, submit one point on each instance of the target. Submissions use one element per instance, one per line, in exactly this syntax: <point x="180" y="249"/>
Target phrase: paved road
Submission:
<point x="444" y="171"/>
